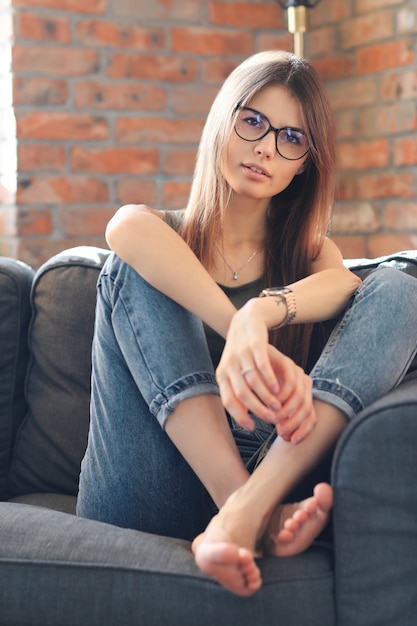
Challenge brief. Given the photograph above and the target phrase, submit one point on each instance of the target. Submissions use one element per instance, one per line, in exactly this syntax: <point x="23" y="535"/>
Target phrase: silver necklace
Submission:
<point x="235" y="273"/>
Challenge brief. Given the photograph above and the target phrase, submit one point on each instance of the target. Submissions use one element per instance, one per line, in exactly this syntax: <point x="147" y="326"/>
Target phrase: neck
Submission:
<point x="239" y="248"/>
<point x="244" y="224"/>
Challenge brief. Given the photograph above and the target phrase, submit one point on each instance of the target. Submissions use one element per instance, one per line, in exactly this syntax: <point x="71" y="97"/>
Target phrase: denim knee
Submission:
<point x="162" y="344"/>
<point x="373" y="344"/>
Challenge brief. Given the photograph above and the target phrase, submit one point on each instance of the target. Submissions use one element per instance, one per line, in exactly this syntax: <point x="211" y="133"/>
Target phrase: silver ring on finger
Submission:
<point x="247" y="370"/>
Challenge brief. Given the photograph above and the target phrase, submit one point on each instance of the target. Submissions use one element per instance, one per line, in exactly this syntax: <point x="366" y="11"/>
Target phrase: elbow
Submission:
<point x="355" y="282"/>
<point x="122" y="225"/>
<point x="115" y="229"/>
<point x="110" y="234"/>
<point x="348" y="284"/>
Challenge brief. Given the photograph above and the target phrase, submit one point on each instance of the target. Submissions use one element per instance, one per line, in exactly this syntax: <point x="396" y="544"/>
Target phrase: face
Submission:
<point x="255" y="169"/>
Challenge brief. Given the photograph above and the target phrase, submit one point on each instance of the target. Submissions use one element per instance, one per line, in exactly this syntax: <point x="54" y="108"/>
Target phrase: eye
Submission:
<point x="294" y="137"/>
<point x="253" y="119"/>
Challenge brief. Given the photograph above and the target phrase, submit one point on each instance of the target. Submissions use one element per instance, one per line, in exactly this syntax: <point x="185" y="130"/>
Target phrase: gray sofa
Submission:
<point x="60" y="570"/>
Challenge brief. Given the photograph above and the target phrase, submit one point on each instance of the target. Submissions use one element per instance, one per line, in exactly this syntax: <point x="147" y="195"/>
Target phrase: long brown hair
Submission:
<point x="299" y="217"/>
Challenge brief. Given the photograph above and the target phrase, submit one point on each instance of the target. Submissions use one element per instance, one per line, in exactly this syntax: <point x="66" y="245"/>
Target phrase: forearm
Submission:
<point x="318" y="297"/>
<point x="163" y="259"/>
<point x="324" y="295"/>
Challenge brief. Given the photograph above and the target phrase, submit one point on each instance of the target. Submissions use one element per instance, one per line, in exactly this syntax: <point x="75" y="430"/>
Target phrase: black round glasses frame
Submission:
<point x="270" y="128"/>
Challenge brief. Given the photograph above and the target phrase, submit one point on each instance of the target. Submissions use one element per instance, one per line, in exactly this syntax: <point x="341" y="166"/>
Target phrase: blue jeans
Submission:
<point x="149" y="354"/>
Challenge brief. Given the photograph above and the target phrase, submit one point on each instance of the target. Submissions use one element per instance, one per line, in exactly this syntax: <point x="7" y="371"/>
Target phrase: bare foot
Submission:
<point x="293" y="527"/>
<point x="227" y="558"/>
<point x="228" y="555"/>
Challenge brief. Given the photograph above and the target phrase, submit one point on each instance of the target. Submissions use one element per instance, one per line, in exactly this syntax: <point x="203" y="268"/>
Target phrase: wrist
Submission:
<point x="226" y="322"/>
<point x="284" y="299"/>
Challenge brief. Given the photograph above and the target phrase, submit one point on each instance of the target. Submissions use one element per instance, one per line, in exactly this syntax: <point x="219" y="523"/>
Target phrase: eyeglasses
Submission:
<point x="291" y="143"/>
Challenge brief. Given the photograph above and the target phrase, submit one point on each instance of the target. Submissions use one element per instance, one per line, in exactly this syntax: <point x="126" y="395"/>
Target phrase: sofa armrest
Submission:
<point x="15" y="284"/>
<point x="375" y="514"/>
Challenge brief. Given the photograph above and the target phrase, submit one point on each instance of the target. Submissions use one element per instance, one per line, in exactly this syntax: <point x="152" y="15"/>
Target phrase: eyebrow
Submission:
<point x="299" y="130"/>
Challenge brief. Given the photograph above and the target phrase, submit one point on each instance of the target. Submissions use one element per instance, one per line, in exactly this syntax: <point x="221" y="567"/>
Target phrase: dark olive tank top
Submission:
<point x="239" y="296"/>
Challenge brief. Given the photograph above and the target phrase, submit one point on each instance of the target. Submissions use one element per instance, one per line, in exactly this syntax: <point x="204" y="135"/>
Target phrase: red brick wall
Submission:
<point x="110" y="99"/>
<point x="366" y="51"/>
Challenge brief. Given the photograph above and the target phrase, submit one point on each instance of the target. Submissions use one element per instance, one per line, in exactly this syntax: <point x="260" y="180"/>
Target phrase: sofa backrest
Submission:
<point x="405" y="261"/>
<point x="52" y="437"/>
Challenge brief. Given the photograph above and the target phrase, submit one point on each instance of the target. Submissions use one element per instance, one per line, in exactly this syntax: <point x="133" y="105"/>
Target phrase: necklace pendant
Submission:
<point x="235" y="274"/>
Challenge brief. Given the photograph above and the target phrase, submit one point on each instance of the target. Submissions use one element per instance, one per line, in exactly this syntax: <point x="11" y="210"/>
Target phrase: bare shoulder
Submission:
<point x="328" y="257"/>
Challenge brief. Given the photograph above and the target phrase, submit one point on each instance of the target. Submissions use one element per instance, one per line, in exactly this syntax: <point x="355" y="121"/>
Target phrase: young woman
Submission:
<point x="233" y="284"/>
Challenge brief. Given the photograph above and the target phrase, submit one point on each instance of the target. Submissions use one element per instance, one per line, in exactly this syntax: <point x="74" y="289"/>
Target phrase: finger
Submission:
<point x="290" y="379"/>
<point x="287" y="427"/>
<point x="249" y="390"/>
<point x="266" y="371"/>
<point x="294" y="393"/>
<point x="233" y="406"/>
<point x="255" y="380"/>
<point x="258" y="357"/>
<point x="297" y="394"/>
<point x="299" y="415"/>
<point x="305" y="429"/>
<point x="295" y="430"/>
<point x="296" y="418"/>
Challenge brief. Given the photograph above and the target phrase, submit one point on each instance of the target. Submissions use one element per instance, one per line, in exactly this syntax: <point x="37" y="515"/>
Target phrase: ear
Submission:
<point x="301" y="169"/>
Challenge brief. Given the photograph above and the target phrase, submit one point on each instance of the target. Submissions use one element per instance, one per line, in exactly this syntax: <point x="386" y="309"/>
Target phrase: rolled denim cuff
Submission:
<point x="336" y="394"/>
<point x="189" y="386"/>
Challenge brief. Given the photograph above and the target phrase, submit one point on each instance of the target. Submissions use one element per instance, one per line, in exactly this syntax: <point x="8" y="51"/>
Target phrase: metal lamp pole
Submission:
<point x="298" y="20"/>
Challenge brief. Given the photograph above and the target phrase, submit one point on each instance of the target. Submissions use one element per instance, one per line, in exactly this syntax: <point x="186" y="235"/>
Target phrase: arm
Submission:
<point x="320" y="296"/>
<point x="140" y="237"/>
<point x="275" y="389"/>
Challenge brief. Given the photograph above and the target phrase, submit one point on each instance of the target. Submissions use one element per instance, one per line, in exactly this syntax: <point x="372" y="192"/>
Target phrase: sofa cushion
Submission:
<point x="62" y="569"/>
<point x="15" y="282"/>
<point x="52" y="438"/>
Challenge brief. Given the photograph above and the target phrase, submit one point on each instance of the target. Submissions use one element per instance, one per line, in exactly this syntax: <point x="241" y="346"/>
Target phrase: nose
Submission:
<point x="267" y="145"/>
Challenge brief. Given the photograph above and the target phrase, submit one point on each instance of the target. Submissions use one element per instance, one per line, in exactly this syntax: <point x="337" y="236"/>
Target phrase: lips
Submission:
<point x="257" y="169"/>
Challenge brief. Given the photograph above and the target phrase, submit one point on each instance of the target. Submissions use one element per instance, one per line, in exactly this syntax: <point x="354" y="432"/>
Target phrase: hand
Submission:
<point x="255" y="377"/>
